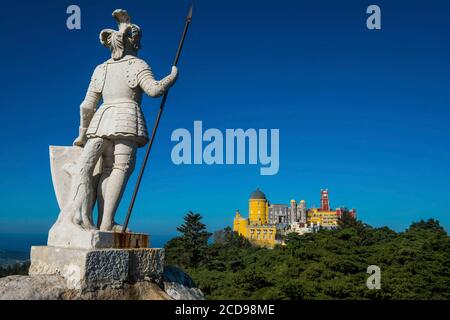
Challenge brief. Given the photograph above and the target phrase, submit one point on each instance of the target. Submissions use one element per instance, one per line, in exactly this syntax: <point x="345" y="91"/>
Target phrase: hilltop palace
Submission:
<point x="268" y="223"/>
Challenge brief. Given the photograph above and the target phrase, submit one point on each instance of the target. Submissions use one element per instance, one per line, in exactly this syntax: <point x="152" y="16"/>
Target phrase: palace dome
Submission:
<point x="258" y="194"/>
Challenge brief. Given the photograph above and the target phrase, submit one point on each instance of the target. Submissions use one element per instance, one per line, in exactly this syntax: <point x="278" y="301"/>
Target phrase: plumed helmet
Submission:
<point x="117" y="40"/>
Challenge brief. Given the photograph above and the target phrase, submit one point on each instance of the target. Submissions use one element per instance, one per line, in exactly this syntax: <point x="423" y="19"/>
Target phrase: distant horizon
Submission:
<point x="156" y="240"/>
<point x="23" y="242"/>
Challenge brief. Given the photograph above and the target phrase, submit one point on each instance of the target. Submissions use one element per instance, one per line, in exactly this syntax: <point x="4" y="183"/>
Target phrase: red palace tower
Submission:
<point x="324" y="200"/>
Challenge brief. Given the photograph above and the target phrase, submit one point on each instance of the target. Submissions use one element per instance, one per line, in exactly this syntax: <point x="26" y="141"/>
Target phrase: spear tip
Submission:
<point x="189" y="17"/>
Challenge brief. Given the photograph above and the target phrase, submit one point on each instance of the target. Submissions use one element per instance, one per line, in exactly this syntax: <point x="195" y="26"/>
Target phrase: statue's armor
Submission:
<point x="120" y="83"/>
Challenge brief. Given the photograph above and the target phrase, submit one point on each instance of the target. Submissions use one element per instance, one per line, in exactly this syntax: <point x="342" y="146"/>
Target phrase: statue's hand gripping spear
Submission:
<point x="155" y="127"/>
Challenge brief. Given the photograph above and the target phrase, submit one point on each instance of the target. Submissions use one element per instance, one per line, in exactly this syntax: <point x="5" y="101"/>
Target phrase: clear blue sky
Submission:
<point x="362" y="113"/>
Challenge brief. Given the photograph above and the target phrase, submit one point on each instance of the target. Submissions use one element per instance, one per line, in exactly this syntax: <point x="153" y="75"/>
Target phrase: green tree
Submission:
<point x="230" y="238"/>
<point x="189" y="249"/>
<point x="15" y="269"/>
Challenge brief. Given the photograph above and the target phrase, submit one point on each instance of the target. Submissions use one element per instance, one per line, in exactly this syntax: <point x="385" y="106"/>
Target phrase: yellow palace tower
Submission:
<point x="258" y="208"/>
<point x="256" y="228"/>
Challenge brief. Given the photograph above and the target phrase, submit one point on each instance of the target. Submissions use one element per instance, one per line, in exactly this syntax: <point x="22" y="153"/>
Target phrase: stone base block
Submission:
<point x="93" y="269"/>
<point x="73" y="236"/>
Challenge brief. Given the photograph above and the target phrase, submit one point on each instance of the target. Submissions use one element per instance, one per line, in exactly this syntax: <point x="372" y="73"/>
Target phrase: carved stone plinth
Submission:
<point x="93" y="269"/>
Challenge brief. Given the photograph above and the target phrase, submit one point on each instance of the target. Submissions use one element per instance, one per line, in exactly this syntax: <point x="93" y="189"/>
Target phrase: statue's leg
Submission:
<point x="108" y="161"/>
<point x="82" y="193"/>
<point x="124" y="162"/>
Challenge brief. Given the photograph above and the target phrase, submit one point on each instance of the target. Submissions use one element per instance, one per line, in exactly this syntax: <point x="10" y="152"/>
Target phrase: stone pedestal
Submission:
<point x="93" y="269"/>
<point x="93" y="259"/>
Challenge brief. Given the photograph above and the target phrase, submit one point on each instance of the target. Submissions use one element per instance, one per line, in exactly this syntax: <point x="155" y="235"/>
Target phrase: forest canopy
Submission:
<point x="329" y="264"/>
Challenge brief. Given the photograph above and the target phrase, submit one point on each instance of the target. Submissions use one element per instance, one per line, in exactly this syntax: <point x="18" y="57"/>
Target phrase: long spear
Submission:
<point x="155" y="127"/>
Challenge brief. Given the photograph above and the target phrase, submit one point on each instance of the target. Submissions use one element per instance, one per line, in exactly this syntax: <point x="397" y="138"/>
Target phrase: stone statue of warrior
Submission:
<point x="113" y="132"/>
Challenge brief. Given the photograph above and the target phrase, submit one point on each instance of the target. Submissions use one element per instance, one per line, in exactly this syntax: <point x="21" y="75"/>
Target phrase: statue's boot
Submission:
<point x="114" y="191"/>
<point x="107" y="166"/>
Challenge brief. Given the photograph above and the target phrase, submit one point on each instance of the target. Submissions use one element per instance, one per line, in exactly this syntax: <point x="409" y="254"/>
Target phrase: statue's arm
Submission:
<point x="88" y="107"/>
<point x="153" y="87"/>
<point x="90" y="102"/>
<point x="87" y="110"/>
